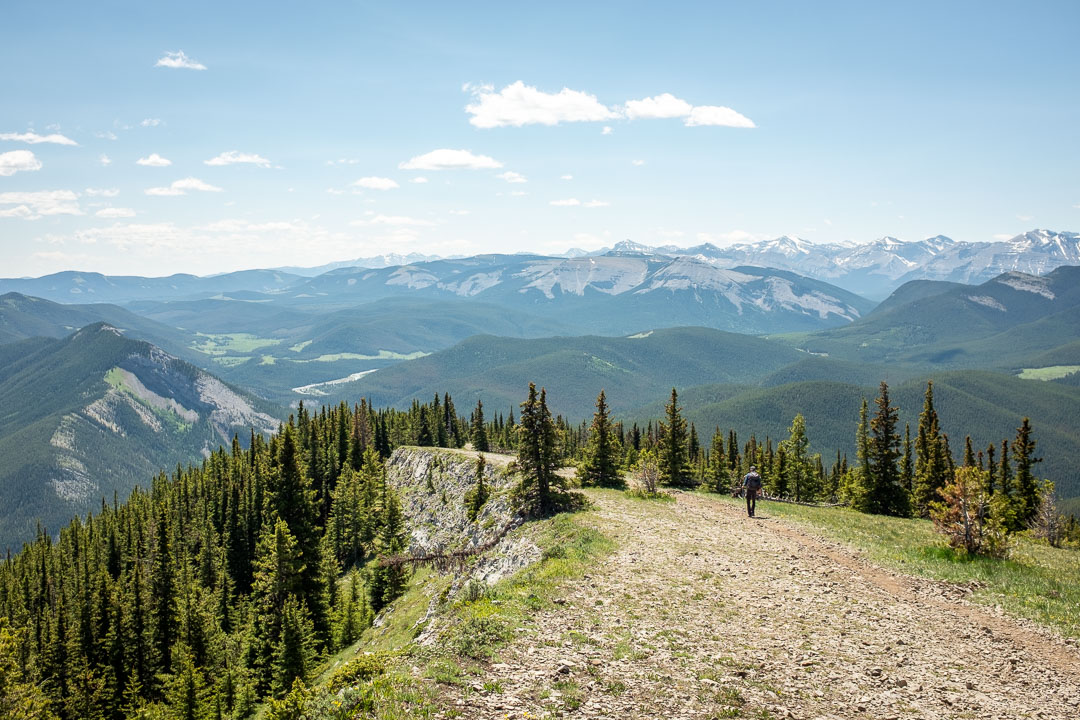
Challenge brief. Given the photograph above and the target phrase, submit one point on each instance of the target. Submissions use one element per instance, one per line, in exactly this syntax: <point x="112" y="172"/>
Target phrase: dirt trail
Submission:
<point x="702" y="612"/>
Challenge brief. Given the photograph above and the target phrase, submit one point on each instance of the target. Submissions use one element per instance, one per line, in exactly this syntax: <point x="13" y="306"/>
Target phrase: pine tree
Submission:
<point x="476" y="498"/>
<point x="387" y="582"/>
<point x="719" y="474"/>
<point x="931" y="470"/>
<point x="479" y="431"/>
<point x="600" y="467"/>
<point x="885" y="495"/>
<point x="907" y="467"/>
<point x="293" y="655"/>
<point x="163" y="597"/>
<point x="797" y="466"/>
<point x="672" y="450"/>
<point x="1027" y="487"/>
<point x="540" y="491"/>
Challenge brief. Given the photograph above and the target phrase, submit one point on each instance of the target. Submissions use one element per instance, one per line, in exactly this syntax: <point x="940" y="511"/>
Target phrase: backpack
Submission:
<point x="753" y="481"/>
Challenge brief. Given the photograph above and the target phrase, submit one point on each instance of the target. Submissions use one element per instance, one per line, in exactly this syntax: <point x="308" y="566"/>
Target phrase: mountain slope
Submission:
<point x="632" y="369"/>
<point x="96" y="412"/>
<point x="89" y="287"/>
<point x="965" y="326"/>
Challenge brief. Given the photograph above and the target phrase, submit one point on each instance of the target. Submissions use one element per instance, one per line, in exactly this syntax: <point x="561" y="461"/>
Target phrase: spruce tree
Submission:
<point x="600" y="467"/>
<point x="163" y="597"/>
<point x="930" y="462"/>
<point x="479" y="431"/>
<point x="476" y="497"/>
<point x="885" y="495"/>
<point x="386" y="582"/>
<point x="797" y="466"/>
<point x="672" y="450"/>
<point x="1027" y="487"/>
<point x="907" y="467"/>
<point x="539" y="493"/>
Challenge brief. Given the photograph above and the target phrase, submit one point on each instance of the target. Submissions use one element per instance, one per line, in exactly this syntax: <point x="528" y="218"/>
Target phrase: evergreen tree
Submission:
<point x="479" y="431"/>
<point x="163" y="597"/>
<point x="600" y="467"/>
<point x="931" y="471"/>
<point x="1027" y="487"/>
<point x="386" y="582"/>
<point x="672" y="450"/>
<point x="719" y="474"/>
<point x="885" y="495"/>
<point x="476" y="497"/>
<point x="540" y="492"/>
<point x="797" y="463"/>
<point x="907" y="466"/>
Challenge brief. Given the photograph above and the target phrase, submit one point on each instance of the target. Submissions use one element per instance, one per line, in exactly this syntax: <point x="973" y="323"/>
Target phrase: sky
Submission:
<point x="140" y="138"/>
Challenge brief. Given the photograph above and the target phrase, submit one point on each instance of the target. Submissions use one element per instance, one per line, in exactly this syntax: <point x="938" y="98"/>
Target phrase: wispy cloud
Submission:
<point x="376" y="183"/>
<point x="717" y="115"/>
<point x="102" y="192"/>
<point x="106" y="135"/>
<point x="607" y="130"/>
<point x="520" y="104"/>
<point x="637" y="163"/>
<point x="33" y="205"/>
<point x="574" y="202"/>
<point x="18" y="161"/>
<point x="105" y="160"/>
<point x="33" y="138"/>
<point x="181" y="187"/>
<point x="394" y="220"/>
<point x="446" y="159"/>
<point x="512" y="177"/>
<point x="152" y="122"/>
<point x="153" y="160"/>
<point x="115" y="212"/>
<point x="419" y="180"/>
<point x="566" y="177"/>
<point x="235" y="157"/>
<point x="179" y="59"/>
<point x="1025" y="218"/>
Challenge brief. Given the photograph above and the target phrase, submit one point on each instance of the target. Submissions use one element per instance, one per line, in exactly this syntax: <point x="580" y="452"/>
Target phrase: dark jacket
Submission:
<point x="752" y="481"/>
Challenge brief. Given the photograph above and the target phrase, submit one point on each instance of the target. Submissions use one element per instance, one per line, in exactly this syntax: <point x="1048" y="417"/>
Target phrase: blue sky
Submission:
<point x="303" y="138"/>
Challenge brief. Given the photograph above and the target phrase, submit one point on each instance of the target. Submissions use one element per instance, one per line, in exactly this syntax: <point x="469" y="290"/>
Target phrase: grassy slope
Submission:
<point x="1036" y="582"/>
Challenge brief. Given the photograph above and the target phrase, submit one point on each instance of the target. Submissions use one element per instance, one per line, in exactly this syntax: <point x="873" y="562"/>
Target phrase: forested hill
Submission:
<point x="96" y="412"/>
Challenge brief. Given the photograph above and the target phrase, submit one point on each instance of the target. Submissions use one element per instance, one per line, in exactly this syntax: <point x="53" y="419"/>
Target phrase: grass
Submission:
<point x="1037" y="582"/>
<point x="225" y="343"/>
<point x="1048" y="373"/>
<point x="476" y="626"/>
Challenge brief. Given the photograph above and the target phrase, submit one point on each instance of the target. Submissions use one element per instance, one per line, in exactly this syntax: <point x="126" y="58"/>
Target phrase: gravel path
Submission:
<point x="702" y="612"/>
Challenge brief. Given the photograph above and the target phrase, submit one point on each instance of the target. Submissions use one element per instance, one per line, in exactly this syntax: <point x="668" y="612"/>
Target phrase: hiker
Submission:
<point x="752" y="483"/>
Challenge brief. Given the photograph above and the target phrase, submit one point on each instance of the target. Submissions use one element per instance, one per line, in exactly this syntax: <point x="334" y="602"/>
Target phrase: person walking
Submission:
<point x="752" y="484"/>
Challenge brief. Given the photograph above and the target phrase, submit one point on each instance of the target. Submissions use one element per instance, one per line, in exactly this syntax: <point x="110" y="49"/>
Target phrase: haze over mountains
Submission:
<point x="631" y="319"/>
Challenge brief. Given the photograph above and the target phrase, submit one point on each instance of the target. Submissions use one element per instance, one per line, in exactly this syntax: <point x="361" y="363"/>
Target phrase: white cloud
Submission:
<point x="33" y="138"/>
<point x="102" y="192"/>
<point x="105" y="160"/>
<point x="520" y="104"/>
<point x="512" y="177"/>
<point x="18" y="161"/>
<point x="233" y="157"/>
<point x="152" y="122"/>
<point x="180" y="187"/>
<point x="32" y="205"/>
<point x="376" y="183"/>
<point x="115" y="212"/>
<point x="566" y="177"/>
<point x="419" y="180"/>
<point x="607" y="130"/>
<point x="717" y="115"/>
<point x="827" y="221"/>
<point x="394" y="220"/>
<point x="665" y="105"/>
<point x="1001" y="237"/>
<point x="106" y="135"/>
<point x="596" y="203"/>
<point x="638" y="163"/>
<point x="518" y="193"/>
<point x="179" y="60"/>
<point x="568" y="202"/>
<point x="445" y="159"/>
<point x="154" y="160"/>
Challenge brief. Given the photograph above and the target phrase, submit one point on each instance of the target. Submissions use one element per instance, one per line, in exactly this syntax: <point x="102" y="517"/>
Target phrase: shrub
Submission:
<point x="967" y="517"/>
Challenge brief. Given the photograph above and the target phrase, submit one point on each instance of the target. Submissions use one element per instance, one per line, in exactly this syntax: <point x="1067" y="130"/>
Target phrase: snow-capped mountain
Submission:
<point x="876" y="268"/>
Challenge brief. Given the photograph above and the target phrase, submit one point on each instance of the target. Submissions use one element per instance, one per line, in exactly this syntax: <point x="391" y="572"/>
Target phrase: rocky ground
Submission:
<point x="702" y="612"/>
